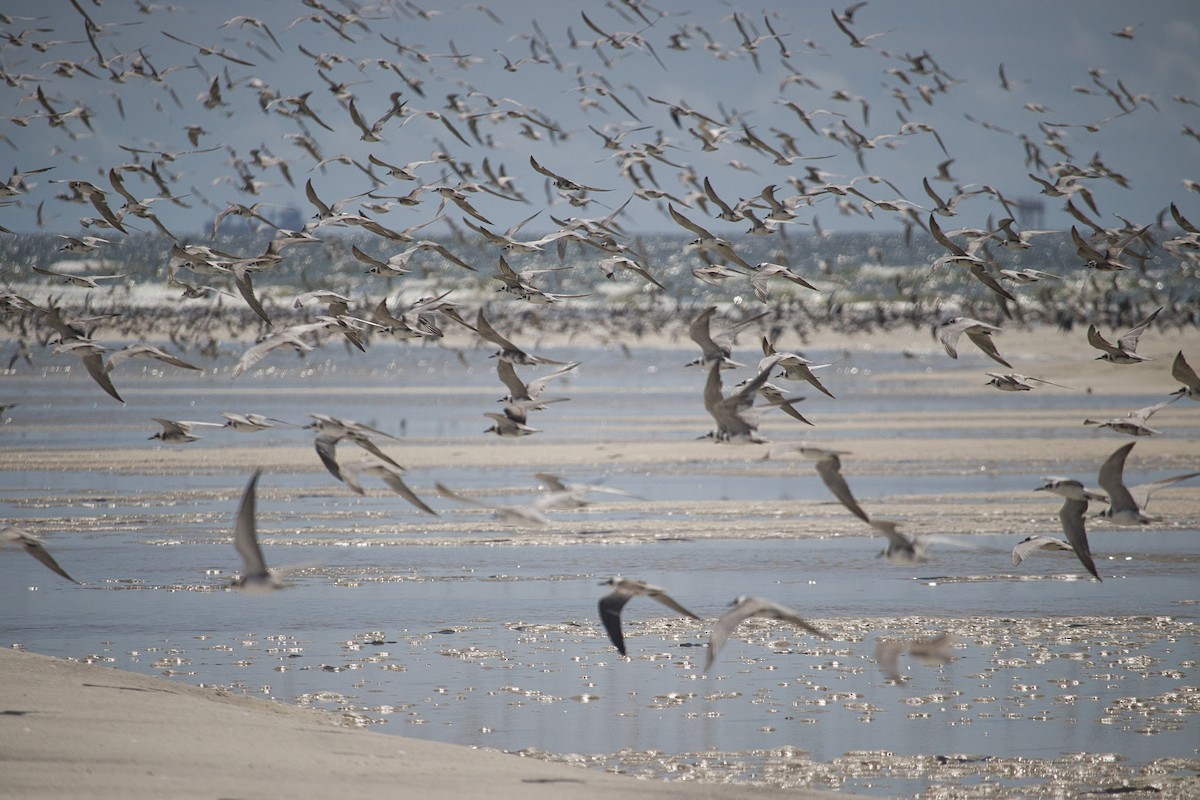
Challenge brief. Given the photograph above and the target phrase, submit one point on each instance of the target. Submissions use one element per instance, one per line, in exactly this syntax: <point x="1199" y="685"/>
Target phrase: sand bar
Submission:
<point x="77" y="730"/>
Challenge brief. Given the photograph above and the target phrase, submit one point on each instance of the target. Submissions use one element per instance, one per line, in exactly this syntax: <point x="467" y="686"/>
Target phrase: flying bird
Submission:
<point x="935" y="650"/>
<point x="1072" y="514"/>
<point x="255" y="577"/>
<point x="1182" y="371"/>
<point x="1031" y="544"/>
<point x="623" y="590"/>
<point x="34" y="547"/>
<point x="744" y="608"/>
<point x="1125" y="504"/>
<point x="1125" y="350"/>
<point x="980" y="334"/>
<point x="1134" y="423"/>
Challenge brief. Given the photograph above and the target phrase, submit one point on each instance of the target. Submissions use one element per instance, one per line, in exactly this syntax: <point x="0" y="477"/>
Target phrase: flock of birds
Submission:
<point x="118" y="208"/>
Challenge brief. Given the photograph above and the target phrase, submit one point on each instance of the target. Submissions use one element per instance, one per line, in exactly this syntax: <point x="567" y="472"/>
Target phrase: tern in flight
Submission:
<point x="34" y="547"/>
<point x="1071" y="515"/>
<point x="1125" y="504"/>
<point x="623" y="590"/>
<point x="744" y="608"/>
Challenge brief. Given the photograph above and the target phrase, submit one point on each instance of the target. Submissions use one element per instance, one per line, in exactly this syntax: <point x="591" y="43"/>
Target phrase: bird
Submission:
<point x="623" y="590"/>
<point x="715" y="347"/>
<point x="176" y="431"/>
<point x="737" y="421"/>
<point x="1125" y="350"/>
<point x="829" y="468"/>
<point x="1037" y="541"/>
<point x="518" y="390"/>
<point x="92" y="355"/>
<point x="1182" y="371"/>
<point x="147" y="351"/>
<point x="902" y="549"/>
<point x="85" y="281"/>
<point x="508" y="351"/>
<point x="34" y="547"/>
<point x="745" y="607"/>
<point x="707" y="241"/>
<point x="935" y="650"/>
<point x="255" y="577"/>
<point x="1124" y="508"/>
<point x="1072" y="514"/>
<point x="980" y="333"/>
<point x="388" y="473"/>
<point x="521" y="515"/>
<point x="1134" y="423"/>
<point x="764" y="271"/>
<point x="331" y="430"/>
<point x="250" y="423"/>
<point x="1016" y="382"/>
<point x="564" y="494"/>
<point x="795" y="367"/>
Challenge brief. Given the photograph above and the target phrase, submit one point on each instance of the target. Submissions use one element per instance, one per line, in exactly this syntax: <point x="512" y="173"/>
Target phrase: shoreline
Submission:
<point x="73" y="729"/>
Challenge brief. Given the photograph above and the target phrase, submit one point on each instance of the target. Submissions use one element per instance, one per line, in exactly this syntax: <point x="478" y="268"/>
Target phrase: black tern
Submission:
<point x="255" y="577"/>
<point x="623" y="590"/>
<point x="1016" y="382"/>
<point x="180" y="431"/>
<point x="1072" y="514"/>
<point x="34" y="547"/>
<point x="1182" y="371"/>
<point x="1125" y="504"/>
<point x="735" y="416"/>
<point x="388" y="473"/>
<point x="980" y="333"/>
<point x="715" y="347"/>
<point x="829" y="467"/>
<point x="1134" y="423"/>
<point x="331" y="430"/>
<point x="1124" y="351"/>
<point x="745" y="607"/>
<point x="935" y="650"/>
<point x="528" y="514"/>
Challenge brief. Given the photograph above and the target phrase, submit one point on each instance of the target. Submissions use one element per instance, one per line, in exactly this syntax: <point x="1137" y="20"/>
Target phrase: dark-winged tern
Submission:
<point x="1134" y="423"/>
<point x="745" y="607"/>
<point x="1125" y="350"/>
<point x="255" y="577"/>
<point x="980" y="334"/>
<point x="1182" y="371"/>
<point x="1125" y="504"/>
<point x="1072" y="514"/>
<point x="623" y="590"/>
<point x="935" y="650"/>
<point x="34" y="547"/>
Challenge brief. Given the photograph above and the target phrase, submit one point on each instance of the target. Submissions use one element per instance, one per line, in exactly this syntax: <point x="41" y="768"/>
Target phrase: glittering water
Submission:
<point x="464" y="630"/>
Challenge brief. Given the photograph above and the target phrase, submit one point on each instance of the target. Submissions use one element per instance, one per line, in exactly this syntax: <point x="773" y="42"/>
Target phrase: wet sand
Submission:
<point x="78" y="730"/>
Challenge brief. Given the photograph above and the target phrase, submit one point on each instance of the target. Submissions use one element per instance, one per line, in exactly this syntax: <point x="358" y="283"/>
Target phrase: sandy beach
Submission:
<point x="77" y="730"/>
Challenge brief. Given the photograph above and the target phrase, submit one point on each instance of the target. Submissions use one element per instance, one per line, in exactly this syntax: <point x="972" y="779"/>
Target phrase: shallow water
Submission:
<point x="465" y="630"/>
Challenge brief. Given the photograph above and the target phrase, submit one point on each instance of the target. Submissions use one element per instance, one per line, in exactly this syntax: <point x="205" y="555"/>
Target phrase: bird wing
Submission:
<point x="1141" y="493"/>
<point x="93" y="362"/>
<point x="245" y="533"/>
<point x="830" y="471"/>
<point x="1112" y="480"/>
<point x="1129" y="340"/>
<point x="326" y="445"/>
<point x="1183" y="372"/>
<point x="667" y="601"/>
<point x="1071" y="515"/>
<point x="1026" y="546"/>
<point x="35" y="548"/>
<point x="610" y="614"/>
<point x="392" y="478"/>
<point x="727" y="624"/>
<point x="984" y="342"/>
